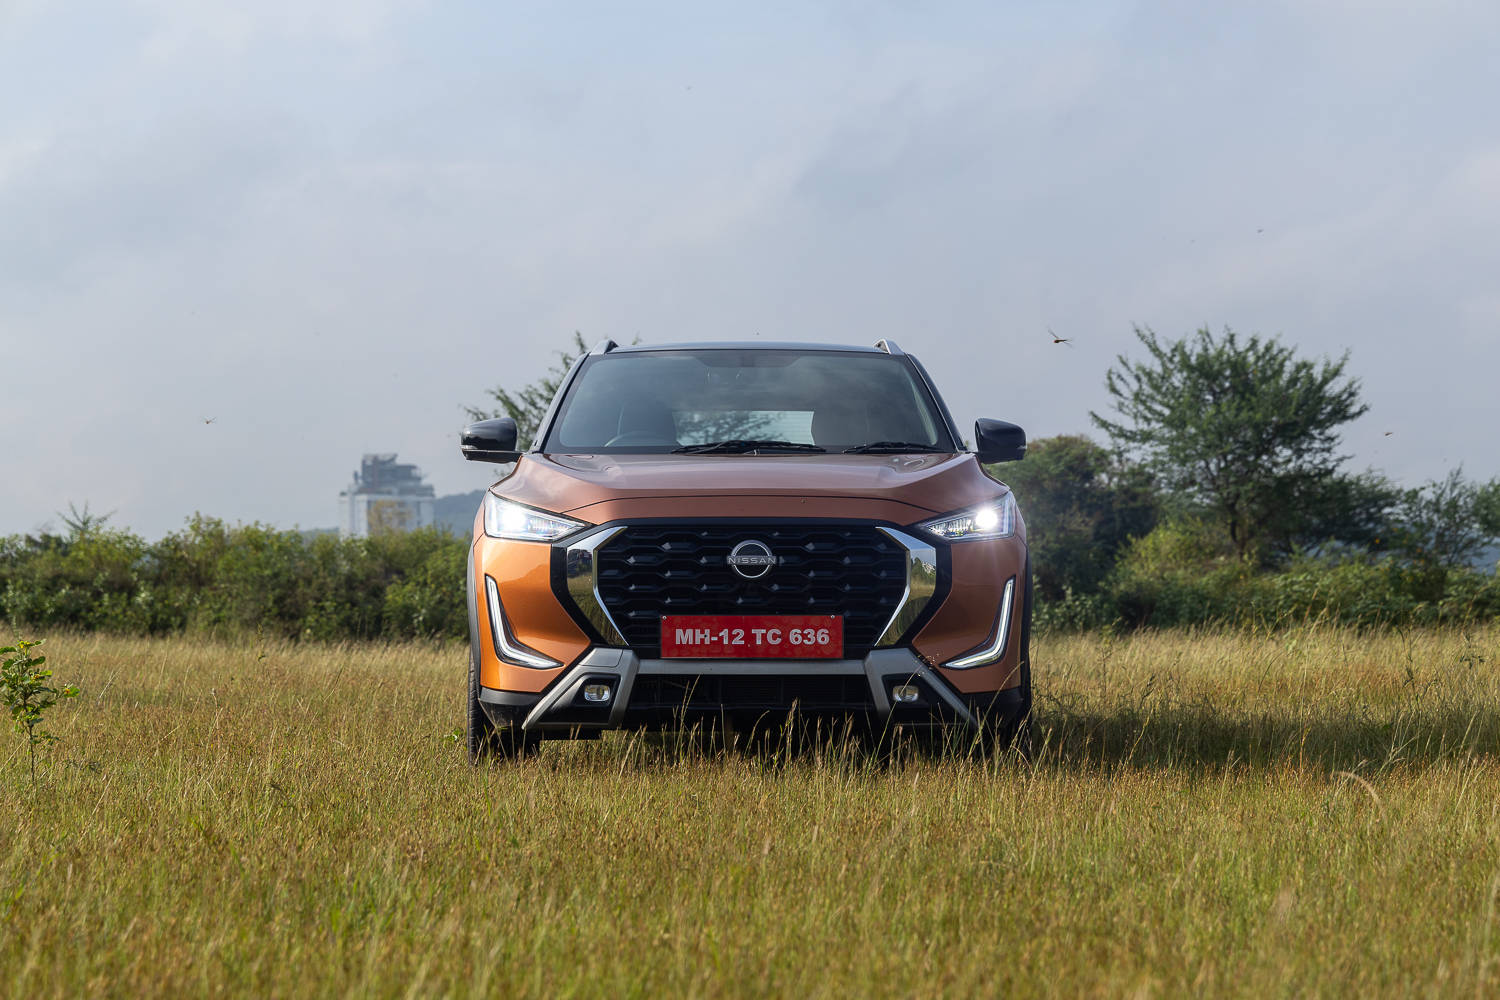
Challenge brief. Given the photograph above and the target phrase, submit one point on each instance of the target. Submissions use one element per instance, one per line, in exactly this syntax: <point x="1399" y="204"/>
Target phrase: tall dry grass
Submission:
<point x="1305" y="812"/>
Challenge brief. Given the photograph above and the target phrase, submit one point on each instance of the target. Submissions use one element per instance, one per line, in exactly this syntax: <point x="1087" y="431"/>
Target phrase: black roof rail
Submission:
<point x="889" y="347"/>
<point x="604" y="347"/>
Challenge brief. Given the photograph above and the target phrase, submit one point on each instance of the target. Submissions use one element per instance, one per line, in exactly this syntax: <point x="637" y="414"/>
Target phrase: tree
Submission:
<point x="1487" y="508"/>
<point x="1082" y="505"/>
<point x="1240" y="427"/>
<point x="527" y="405"/>
<point x="1337" y="510"/>
<point x="1446" y="523"/>
<point x="81" y="523"/>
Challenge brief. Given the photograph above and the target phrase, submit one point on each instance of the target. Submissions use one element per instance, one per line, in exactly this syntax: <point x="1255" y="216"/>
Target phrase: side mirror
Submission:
<point x="490" y="441"/>
<point x="998" y="441"/>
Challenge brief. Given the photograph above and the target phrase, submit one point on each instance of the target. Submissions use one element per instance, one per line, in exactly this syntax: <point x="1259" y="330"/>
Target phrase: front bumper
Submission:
<point x="651" y="693"/>
<point x="551" y="596"/>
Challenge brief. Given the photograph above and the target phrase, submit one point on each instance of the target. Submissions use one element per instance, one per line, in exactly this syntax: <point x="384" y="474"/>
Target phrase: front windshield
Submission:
<point x="661" y="401"/>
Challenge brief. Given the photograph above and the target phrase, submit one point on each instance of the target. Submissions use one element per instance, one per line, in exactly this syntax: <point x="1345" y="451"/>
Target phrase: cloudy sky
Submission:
<point x="326" y="227"/>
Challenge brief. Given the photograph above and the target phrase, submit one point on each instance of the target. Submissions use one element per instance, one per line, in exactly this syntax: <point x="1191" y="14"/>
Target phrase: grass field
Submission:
<point x="1310" y="812"/>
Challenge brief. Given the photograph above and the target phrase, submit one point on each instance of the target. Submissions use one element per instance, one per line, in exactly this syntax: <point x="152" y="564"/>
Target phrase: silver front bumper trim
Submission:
<point x="622" y="667"/>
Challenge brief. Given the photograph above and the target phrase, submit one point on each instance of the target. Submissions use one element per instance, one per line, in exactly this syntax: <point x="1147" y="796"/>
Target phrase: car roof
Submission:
<point x="744" y="345"/>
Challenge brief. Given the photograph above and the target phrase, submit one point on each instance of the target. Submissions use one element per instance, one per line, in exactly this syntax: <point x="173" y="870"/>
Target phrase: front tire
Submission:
<point x="1021" y="735"/>
<point x="1014" y="733"/>
<point x="485" y="739"/>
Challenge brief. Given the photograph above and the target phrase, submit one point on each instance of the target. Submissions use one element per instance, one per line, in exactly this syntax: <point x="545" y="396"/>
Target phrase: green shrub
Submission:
<point x="1182" y="573"/>
<point x="430" y="600"/>
<point x="1072" y="613"/>
<point x="26" y="693"/>
<point x="240" y="580"/>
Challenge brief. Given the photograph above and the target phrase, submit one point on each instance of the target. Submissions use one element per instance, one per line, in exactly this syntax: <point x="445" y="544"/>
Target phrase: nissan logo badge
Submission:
<point x="751" y="559"/>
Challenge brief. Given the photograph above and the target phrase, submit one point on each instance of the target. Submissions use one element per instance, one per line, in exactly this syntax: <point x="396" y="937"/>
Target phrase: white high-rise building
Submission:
<point x="385" y="496"/>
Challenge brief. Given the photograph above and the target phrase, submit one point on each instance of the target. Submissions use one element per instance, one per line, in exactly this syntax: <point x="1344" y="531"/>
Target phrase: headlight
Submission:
<point x="503" y="519"/>
<point x="993" y="520"/>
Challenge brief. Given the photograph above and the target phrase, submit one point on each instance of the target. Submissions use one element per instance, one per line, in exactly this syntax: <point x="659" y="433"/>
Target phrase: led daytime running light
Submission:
<point x="506" y="647"/>
<point x="995" y="648"/>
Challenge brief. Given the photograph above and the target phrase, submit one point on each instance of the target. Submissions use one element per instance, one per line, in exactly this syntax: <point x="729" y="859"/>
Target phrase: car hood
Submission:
<point x="565" y="483"/>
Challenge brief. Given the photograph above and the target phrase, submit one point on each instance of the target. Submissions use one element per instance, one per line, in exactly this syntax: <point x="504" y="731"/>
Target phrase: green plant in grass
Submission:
<point x="23" y="684"/>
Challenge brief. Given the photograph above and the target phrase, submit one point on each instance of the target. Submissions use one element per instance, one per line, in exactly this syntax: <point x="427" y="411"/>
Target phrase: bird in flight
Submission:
<point x="1389" y="433"/>
<point x="1059" y="340"/>
<point x="209" y="420"/>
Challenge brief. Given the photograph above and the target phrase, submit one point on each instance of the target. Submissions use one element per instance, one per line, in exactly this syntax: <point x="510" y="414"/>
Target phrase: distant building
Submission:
<point x="385" y="496"/>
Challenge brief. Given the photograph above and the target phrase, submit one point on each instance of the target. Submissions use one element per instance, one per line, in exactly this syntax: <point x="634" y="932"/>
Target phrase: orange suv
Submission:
<point x="731" y="533"/>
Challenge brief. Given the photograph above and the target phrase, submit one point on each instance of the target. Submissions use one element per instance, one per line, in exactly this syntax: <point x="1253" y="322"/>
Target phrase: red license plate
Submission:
<point x="791" y="637"/>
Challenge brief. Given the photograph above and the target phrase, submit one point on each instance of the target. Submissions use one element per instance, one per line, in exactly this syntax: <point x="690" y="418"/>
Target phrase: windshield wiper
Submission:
<point x="891" y="446"/>
<point x="745" y="445"/>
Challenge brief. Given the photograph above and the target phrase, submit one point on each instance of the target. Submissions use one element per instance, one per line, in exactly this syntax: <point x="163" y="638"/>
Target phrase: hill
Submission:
<point x="455" y="512"/>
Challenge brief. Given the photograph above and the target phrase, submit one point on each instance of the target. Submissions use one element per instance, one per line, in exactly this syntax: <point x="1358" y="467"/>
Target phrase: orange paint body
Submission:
<point x="522" y="572"/>
<point x="913" y="490"/>
<point x="967" y="618"/>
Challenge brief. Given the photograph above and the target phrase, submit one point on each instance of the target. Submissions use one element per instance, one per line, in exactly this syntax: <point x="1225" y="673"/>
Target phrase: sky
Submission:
<point x="243" y="244"/>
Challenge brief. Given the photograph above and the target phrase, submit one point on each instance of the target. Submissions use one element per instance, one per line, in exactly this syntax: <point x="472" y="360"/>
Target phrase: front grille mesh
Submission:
<point x="651" y="570"/>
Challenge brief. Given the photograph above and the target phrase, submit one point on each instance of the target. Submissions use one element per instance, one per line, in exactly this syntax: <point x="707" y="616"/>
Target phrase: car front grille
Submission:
<point x="651" y="570"/>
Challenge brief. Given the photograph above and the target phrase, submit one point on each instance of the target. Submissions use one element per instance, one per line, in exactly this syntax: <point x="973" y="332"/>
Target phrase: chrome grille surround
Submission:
<point x="856" y="569"/>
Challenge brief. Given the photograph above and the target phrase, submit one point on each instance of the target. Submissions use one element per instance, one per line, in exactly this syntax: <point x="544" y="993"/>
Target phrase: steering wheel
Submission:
<point x="636" y="437"/>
